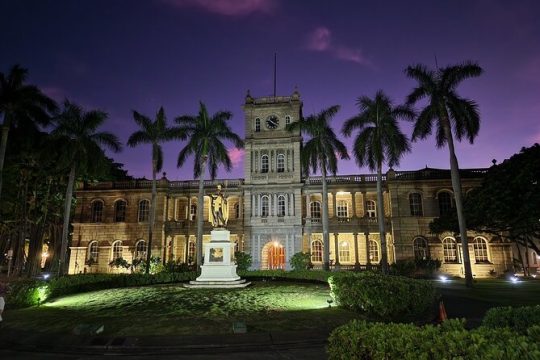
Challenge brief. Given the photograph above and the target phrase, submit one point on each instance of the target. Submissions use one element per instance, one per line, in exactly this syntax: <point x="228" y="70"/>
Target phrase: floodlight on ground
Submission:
<point x="443" y="278"/>
<point x="514" y="279"/>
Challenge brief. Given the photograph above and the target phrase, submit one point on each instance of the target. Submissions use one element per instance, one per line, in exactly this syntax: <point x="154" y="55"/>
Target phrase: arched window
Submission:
<point x="415" y="203"/>
<point x="93" y="252"/>
<point x="265" y="205"/>
<point x="373" y="251"/>
<point x="315" y="209"/>
<point x="316" y="251"/>
<point x="97" y="211"/>
<point x="281" y="205"/>
<point x="191" y="252"/>
<point x="264" y="163"/>
<point x="144" y="210"/>
<point x="120" y="211"/>
<point x="257" y="125"/>
<point x="371" y="210"/>
<point x="480" y="250"/>
<point x="344" y="252"/>
<point x="421" y="250"/>
<point x="342" y="209"/>
<point x="450" y="254"/>
<point x="237" y="210"/>
<point x="140" y="249"/>
<point x="445" y="203"/>
<point x="280" y="163"/>
<point x="193" y="212"/>
<point x="287" y="120"/>
<point x="117" y="250"/>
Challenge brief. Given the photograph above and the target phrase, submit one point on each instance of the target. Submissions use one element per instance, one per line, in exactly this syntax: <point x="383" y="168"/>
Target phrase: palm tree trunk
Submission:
<point x="152" y="217"/>
<point x="456" y="185"/>
<point x="3" y="146"/>
<point x="200" y="212"/>
<point x="62" y="266"/>
<point x="380" y="215"/>
<point x="326" y="235"/>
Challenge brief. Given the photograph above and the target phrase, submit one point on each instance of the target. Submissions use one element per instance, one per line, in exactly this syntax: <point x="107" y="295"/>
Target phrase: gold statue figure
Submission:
<point x="219" y="210"/>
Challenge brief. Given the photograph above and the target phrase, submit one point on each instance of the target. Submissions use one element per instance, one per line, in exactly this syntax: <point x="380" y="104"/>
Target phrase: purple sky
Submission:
<point x="120" y="56"/>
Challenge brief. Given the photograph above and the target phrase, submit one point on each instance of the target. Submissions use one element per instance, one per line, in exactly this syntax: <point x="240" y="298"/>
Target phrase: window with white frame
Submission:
<point x="140" y="249"/>
<point x="344" y="252"/>
<point x="421" y="250"/>
<point x="373" y="251"/>
<point x="144" y="211"/>
<point x="193" y="211"/>
<point x="257" y="125"/>
<point x="191" y="252"/>
<point x="316" y="251"/>
<point x="342" y="209"/>
<point x="445" y="203"/>
<point x="93" y="252"/>
<point x="265" y="206"/>
<point x="315" y="209"/>
<point x="371" y="210"/>
<point x="450" y="254"/>
<point x="281" y="205"/>
<point x="117" y="250"/>
<point x="120" y="211"/>
<point x="415" y="204"/>
<point x="264" y="163"/>
<point x="280" y="163"/>
<point x="480" y="250"/>
<point x="97" y="211"/>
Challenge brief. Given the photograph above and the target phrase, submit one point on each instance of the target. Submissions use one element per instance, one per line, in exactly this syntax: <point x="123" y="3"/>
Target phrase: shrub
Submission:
<point x="310" y="275"/>
<point x="119" y="263"/>
<point x="243" y="260"/>
<point x="33" y="292"/>
<point x="415" y="268"/>
<point x="301" y="261"/>
<point x="177" y="266"/>
<point x="384" y="297"/>
<point x="155" y="265"/>
<point x="428" y="266"/>
<point x="403" y="268"/>
<point x="363" y="340"/>
<point x="519" y="319"/>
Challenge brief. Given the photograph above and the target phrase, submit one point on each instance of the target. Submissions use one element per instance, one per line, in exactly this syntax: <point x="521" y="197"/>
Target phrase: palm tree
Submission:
<point x="379" y="141"/>
<point x="154" y="133"/>
<point x="205" y="135"/>
<point x="20" y="103"/>
<point x="320" y="152"/>
<point x="79" y="131"/>
<point x="451" y="113"/>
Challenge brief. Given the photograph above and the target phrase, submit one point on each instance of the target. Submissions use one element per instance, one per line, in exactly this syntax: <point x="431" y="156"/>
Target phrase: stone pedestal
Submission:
<point x="218" y="270"/>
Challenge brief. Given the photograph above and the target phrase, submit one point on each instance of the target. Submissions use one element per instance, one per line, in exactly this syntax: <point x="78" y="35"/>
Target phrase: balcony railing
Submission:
<point x="162" y="183"/>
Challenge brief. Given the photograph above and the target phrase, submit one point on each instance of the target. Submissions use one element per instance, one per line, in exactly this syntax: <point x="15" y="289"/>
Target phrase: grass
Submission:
<point x="174" y="310"/>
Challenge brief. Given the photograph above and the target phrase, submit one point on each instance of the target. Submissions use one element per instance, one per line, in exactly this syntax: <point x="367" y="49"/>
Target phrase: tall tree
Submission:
<point x="379" y="141"/>
<point x="321" y="151"/>
<point x="20" y="103"/>
<point x="447" y="112"/>
<point x="78" y="130"/>
<point x="154" y="133"/>
<point x="206" y="135"/>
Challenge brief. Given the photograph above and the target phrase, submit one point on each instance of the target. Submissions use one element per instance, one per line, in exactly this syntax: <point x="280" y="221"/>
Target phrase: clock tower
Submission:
<point x="272" y="193"/>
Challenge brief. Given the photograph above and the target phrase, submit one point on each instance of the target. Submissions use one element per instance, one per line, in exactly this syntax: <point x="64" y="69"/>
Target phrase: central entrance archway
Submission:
<point x="273" y="256"/>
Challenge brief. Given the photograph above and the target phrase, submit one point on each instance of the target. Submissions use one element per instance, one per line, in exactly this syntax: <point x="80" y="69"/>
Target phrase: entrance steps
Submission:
<point x="217" y="284"/>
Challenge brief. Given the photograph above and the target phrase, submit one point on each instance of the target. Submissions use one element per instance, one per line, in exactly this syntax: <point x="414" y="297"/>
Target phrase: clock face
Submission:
<point x="272" y="122"/>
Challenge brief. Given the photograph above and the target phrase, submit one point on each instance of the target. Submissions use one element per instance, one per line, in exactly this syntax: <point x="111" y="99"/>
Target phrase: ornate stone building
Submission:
<point x="275" y="211"/>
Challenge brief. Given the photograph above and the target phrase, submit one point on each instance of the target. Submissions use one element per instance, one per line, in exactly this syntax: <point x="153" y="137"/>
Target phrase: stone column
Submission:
<point x="275" y="205"/>
<point x="336" y="255"/>
<point x="308" y="211"/>
<point x="356" y="259"/>
<point x="334" y="199"/>
<point x="353" y="204"/>
<point x="368" y="260"/>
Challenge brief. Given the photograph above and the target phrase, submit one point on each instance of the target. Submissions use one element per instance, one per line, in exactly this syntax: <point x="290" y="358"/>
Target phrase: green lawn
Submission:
<point x="172" y="309"/>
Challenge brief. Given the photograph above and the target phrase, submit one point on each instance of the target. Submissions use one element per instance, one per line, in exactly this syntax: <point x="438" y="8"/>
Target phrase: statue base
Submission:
<point x="218" y="270"/>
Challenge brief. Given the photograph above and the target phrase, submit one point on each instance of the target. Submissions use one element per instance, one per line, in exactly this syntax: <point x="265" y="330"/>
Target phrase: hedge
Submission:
<point x="363" y="340"/>
<point x="519" y="319"/>
<point x="33" y="292"/>
<point x="384" y="297"/>
<point x="310" y="275"/>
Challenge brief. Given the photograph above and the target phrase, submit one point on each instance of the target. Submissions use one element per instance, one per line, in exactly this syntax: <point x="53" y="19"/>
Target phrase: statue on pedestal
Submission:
<point x="219" y="209"/>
